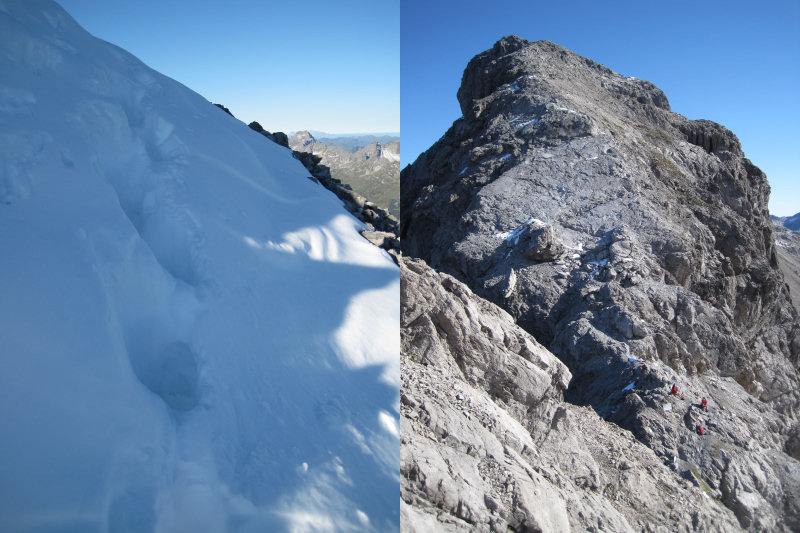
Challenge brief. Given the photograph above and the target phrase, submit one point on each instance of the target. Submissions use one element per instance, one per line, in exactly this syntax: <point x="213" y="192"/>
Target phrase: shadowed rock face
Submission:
<point x="659" y="261"/>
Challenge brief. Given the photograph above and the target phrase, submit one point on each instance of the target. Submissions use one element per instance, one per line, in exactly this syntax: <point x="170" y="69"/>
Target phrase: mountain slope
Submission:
<point x="635" y="245"/>
<point x="482" y="397"/>
<point x="194" y="335"/>
<point x="373" y="171"/>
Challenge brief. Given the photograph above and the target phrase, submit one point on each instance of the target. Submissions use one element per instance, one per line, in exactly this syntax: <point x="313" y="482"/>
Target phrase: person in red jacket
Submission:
<point x="700" y="429"/>
<point x="674" y="391"/>
<point x="704" y="403"/>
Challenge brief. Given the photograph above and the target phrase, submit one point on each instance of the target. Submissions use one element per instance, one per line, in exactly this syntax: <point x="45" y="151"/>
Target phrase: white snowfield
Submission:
<point x="193" y="335"/>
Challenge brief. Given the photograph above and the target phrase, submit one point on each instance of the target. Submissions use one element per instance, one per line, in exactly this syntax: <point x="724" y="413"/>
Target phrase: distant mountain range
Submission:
<point x="787" y="246"/>
<point x="792" y="222"/>
<point x="369" y="164"/>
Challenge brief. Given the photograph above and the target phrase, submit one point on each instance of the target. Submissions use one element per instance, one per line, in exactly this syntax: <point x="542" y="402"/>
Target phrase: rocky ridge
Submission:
<point x="373" y="170"/>
<point x="382" y="227"/>
<point x="635" y="245"/>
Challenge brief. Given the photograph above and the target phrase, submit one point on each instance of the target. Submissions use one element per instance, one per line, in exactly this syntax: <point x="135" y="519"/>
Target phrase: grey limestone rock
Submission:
<point x="372" y="170"/>
<point x="668" y="273"/>
<point x="489" y="444"/>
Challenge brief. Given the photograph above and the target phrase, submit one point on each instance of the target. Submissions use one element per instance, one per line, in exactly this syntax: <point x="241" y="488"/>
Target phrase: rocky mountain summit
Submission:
<point x="633" y="244"/>
<point x="372" y="170"/>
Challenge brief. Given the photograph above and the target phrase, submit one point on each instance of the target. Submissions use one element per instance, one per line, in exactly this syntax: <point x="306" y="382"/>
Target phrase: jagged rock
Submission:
<point x="382" y="239"/>
<point x="278" y="137"/>
<point x="541" y="243"/>
<point x="372" y="170"/>
<point x="670" y="272"/>
<point x="228" y="111"/>
<point x="488" y="444"/>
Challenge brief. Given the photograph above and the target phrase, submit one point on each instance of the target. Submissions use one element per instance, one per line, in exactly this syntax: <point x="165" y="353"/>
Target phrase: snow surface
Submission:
<point x="194" y="336"/>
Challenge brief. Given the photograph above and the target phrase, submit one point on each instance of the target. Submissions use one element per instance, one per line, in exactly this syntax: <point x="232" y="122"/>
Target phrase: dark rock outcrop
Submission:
<point x="668" y="273"/>
<point x="278" y="137"/>
<point x="228" y="111"/>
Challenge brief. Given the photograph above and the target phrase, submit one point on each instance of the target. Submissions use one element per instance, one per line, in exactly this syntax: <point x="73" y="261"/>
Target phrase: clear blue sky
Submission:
<point x="314" y="64"/>
<point x="733" y="62"/>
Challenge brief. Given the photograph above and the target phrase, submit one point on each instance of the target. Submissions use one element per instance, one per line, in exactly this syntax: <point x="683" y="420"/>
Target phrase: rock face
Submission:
<point x="635" y="245"/>
<point x="372" y="170"/>
<point x="791" y="223"/>
<point x="488" y="444"/>
<point x="382" y="227"/>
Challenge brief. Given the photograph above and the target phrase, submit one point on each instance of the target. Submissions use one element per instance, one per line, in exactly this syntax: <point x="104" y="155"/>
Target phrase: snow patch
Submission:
<point x="366" y="316"/>
<point x="514" y="234"/>
<point x="391" y="156"/>
<point x="523" y="124"/>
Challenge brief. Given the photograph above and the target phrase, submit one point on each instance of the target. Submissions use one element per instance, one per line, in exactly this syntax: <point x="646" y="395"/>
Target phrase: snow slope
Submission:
<point x="193" y="335"/>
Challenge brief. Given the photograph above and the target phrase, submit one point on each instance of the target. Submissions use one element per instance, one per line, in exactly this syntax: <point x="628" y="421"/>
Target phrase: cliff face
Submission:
<point x="634" y="244"/>
<point x="488" y="442"/>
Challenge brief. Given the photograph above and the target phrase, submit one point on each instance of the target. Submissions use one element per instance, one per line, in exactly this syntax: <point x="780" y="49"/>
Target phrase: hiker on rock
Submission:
<point x="700" y="429"/>
<point x="674" y="391"/>
<point x="704" y="403"/>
